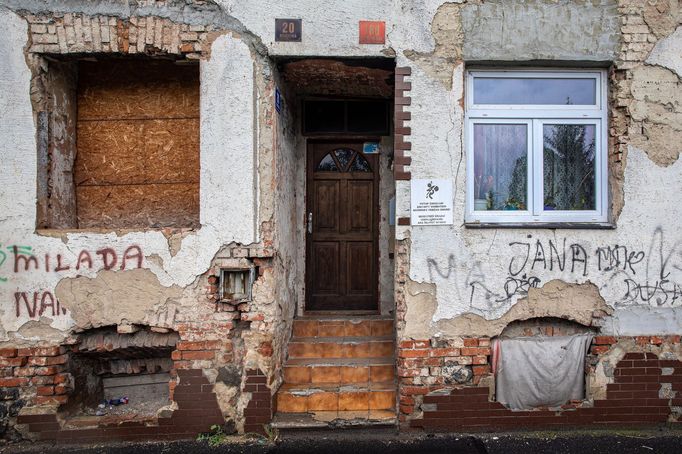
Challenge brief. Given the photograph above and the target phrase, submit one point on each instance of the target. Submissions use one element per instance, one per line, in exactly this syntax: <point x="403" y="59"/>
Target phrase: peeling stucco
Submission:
<point x="656" y="111"/>
<point x="115" y="298"/>
<point x="575" y="302"/>
<point x="446" y="28"/>
<point x="668" y="52"/>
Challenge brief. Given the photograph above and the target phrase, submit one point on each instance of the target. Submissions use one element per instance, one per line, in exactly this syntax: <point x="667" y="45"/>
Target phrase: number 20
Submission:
<point x="288" y="27"/>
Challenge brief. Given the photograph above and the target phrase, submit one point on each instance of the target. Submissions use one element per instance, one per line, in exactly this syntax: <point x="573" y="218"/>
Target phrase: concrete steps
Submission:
<point x="340" y="368"/>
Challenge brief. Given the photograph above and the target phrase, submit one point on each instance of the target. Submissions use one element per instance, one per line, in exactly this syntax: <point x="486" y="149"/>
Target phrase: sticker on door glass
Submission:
<point x="431" y="202"/>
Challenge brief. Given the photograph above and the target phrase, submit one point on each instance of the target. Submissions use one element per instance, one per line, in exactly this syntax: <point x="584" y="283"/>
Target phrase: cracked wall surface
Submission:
<point x="450" y="281"/>
<point x="484" y="277"/>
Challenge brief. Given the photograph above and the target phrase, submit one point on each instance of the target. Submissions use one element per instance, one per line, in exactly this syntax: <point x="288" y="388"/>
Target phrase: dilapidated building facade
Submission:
<point x="309" y="214"/>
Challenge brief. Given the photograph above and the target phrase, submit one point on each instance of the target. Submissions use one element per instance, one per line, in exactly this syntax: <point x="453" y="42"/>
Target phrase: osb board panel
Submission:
<point x="131" y="206"/>
<point x="125" y="89"/>
<point x="137" y="152"/>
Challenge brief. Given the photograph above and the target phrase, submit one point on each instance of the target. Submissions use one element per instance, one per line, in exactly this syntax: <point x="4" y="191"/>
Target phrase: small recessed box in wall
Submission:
<point x="372" y="32"/>
<point x="236" y="284"/>
<point x="288" y="30"/>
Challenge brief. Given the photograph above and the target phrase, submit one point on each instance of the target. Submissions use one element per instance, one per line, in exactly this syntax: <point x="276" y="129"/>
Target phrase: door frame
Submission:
<point x="309" y="164"/>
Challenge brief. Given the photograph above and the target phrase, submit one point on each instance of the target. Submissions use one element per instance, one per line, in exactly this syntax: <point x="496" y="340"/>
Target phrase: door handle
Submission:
<point x="310" y="222"/>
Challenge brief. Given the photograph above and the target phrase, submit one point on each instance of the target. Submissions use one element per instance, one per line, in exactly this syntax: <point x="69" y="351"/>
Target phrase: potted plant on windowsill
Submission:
<point x="490" y="200"/>
<point x="550" y="205"/>
<point x="512" y="204"/>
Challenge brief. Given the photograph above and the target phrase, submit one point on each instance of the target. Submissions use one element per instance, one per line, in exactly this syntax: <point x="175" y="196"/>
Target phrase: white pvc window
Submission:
<point x="536" y="147"/>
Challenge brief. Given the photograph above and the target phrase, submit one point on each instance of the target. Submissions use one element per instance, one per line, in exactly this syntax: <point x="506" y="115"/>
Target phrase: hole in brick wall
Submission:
<point x="540" y="362"/>
<point x="111" y="367"/>
<point x="118" y="143"/>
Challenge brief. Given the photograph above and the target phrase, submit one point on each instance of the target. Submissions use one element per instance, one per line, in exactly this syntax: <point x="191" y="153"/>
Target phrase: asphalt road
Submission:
<point x="362" y="442"/>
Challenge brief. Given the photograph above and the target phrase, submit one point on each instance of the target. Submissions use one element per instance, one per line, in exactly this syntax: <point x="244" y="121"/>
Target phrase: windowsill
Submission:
<point x="542" y="225"/>
<point x="118" y="231"/>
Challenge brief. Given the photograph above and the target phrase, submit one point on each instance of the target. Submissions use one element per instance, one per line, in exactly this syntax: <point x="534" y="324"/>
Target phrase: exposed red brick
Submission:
<point x="45" y="390"/>
<point x="656" y="340"/>
<point x="193" y="355"/>
<point x="470" y="342"/>
<point x="484" y="342"/>
<point x="61" y="378"/>
<point x="49" y="370"/>
<point x="413" y="353"/>
<point x="402" y="372"/>
<point x="41" y="351"/>
<point x="13" y="382"/>
<point x="24" y="371"/>
<point x="406" y="409"/>
<point x="414" y="390"/>
<point x="642" y="340"/>
<point x="407" y="400"/>
<point x="8" y="352"/>
<point x="13" y="362"/>
<point x="605" y="340"/>
<point x="481" y="370"/>
<point x="43" y="380"/>
<point x="475" y="351"/>
<point x="599" y="349"/>
<point x="479" y="360"/>
<point x="444" y="352"/>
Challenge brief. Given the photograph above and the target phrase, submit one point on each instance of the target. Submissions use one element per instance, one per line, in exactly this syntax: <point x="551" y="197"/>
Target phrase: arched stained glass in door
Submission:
<point x="343" y="160"/>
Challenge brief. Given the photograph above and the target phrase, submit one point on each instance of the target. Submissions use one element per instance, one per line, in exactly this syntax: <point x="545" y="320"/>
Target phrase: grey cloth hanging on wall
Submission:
<point x="541" y="371"/>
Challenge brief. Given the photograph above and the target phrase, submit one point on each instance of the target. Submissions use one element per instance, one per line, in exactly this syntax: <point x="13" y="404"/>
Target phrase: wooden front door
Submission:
<point x="342" y="217"/>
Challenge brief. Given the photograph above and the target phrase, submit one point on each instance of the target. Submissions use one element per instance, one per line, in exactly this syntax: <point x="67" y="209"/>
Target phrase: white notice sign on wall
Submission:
<point x="431" y="202"/>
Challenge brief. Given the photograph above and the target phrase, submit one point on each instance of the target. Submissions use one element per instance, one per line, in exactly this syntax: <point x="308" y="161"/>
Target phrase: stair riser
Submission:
<point x="340" y="328"/>
<point x="338" y="374"/>
<point x="336" y="401"/>
<point x="341" y="350"/>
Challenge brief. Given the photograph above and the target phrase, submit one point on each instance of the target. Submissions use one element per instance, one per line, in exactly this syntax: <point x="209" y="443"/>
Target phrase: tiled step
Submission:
<point x="345" y="370"/>
<point x="341" y="347"/>
<point x="340" y="326"/>
<point x="293" y="398"/>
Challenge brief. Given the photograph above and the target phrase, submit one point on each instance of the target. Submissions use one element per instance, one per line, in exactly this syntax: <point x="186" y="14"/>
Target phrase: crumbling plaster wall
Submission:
<point x="171" y="259"/>
<point x="475" y="281"/>
<point x="469" y="268"/>
<point x="289" y="164"/>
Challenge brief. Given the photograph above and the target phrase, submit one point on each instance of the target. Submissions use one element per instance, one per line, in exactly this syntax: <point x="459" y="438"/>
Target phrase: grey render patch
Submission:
<point x="561" y="30"/>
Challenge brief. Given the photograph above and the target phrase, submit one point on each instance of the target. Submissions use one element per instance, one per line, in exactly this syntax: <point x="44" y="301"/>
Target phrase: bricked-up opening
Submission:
<point x="107" y="366"/>
<point x="541" y="362"/>
<point x="119" y="145"/>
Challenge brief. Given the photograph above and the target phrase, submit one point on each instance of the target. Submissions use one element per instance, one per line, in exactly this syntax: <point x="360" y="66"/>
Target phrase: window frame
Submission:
<point x="536" y="116"/>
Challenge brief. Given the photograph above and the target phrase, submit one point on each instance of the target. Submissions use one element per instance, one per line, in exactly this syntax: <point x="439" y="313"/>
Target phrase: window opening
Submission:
<point x="536" y="146"/>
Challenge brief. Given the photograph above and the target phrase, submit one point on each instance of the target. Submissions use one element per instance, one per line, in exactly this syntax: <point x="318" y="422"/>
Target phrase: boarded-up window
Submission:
<point x="138" y="144"/>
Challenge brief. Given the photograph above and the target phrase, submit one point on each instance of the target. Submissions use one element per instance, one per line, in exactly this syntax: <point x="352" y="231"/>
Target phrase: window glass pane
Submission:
<point x="327" y="164"/>
<point x="344" y="155"/>
<point x="324" y="116"/>
<point x="368" y="117"/>
<point x="519" y="90"/>
<point x="569" y="167"/>
<point x="500" y="167"/>
<point x="360" y="164"/>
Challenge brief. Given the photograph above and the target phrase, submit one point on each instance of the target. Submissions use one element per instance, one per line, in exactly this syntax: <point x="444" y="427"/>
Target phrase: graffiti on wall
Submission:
<point x="16" y="260"/>
<point x="643" y="276"/>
